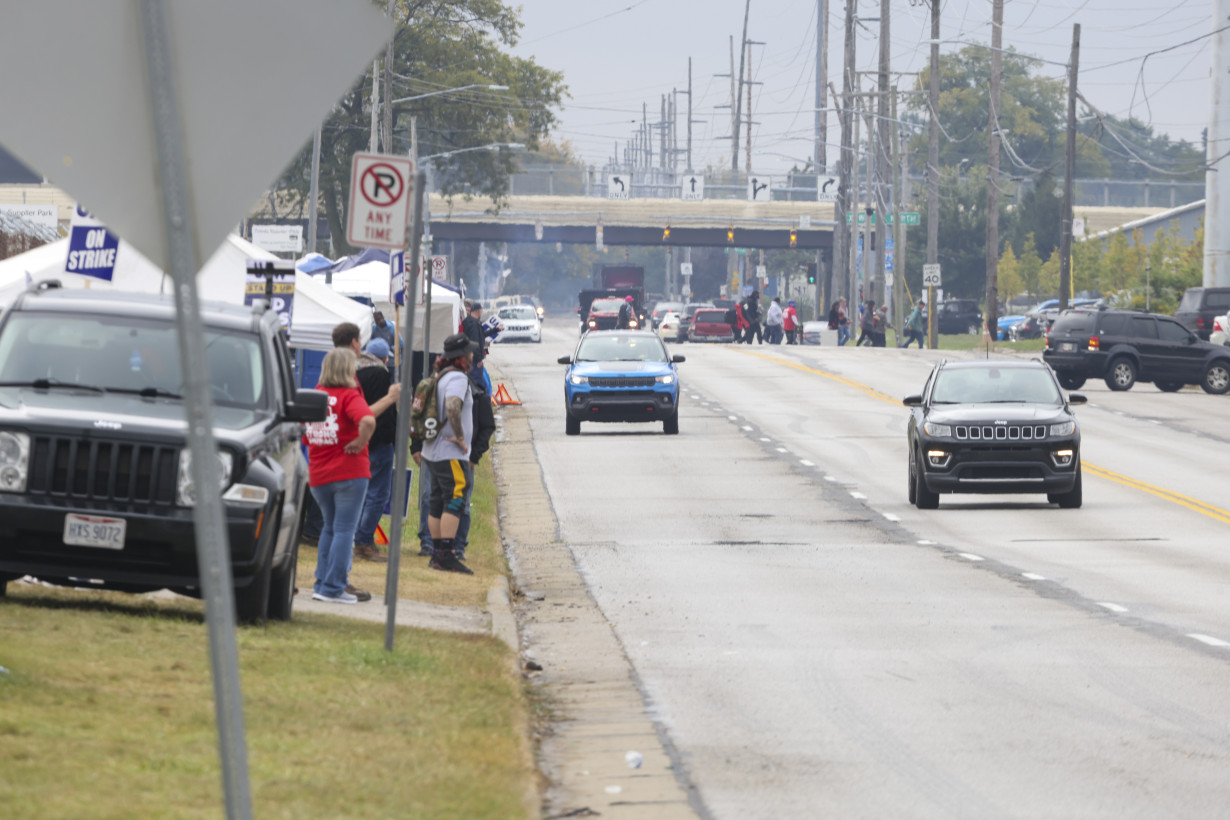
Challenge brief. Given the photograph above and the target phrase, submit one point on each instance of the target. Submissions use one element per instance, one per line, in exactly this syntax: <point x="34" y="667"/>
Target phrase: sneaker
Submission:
<point x="343" y="598"/>
<point x="361" y="594"/>
<point x="368" y="552"/>
<point x="447" y="562"/>
<point x="425" y="549"/>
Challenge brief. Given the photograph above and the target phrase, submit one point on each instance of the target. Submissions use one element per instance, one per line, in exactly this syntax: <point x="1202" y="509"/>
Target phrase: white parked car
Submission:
<point x="1221" y="330"/>
<point x="520" y="324"/>
<point x="668" y="326"/>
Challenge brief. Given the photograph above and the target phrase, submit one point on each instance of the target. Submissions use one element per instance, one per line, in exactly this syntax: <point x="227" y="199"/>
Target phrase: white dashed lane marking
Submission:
<point x="859" y="496"/>
<point x="891" y="517"/>
<point x="1112" y="607"/>
<point x="806" y="463"/>
<point x="1033" y="576"/>
<point x="1208" y="639"/>
<point x="969" y="556"/>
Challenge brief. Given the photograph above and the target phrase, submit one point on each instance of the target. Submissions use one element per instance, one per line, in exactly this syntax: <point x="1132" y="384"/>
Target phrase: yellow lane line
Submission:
<point x="1216" y="513"/>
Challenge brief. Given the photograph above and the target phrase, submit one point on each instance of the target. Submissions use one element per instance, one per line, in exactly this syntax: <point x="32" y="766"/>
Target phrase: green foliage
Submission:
<point x="440" y="44"/>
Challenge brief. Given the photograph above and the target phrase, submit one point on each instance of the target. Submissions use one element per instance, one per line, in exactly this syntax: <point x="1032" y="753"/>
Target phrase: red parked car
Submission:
<point x="709" y="325"/>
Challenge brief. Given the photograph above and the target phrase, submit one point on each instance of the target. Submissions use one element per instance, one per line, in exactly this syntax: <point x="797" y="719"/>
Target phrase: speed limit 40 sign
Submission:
<point x="931" y="276"/>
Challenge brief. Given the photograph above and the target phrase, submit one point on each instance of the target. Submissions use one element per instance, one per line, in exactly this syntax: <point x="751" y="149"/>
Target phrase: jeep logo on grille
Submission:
<point x="108" y="425"/>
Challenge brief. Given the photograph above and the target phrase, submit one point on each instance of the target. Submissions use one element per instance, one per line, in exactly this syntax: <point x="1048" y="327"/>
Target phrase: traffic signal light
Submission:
<point x="794" y="237"/>
<point x="811" y="273"/>
<point x="730" y="236"/>
<point x="666" y="233"/>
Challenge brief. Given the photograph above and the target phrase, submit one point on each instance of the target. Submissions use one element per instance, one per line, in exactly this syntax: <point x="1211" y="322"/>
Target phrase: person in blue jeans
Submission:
<point x="374" y="379"/>
<point x="338" y="473"/>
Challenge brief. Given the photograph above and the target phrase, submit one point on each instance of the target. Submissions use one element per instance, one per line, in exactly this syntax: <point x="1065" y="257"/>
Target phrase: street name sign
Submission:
<point x="908" y="218"/>
<point x="380" y="192"/>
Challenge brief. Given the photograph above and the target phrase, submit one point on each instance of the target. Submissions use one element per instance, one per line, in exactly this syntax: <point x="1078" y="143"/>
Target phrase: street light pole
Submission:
<point x="992" y="257"/>
<point x="1065" y="235"/>
<point x="933" y="168"/>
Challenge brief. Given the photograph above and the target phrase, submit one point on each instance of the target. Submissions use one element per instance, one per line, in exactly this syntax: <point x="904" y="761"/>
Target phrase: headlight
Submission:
<point x="933" y="429"/>
<point x="632" y="324"/>
<point x="185" y="492"/>
<point x="667" y="379"/>
<point x="1064" y="428"/>
<point x="14" y="462"/>
<point x="578" y="379"/>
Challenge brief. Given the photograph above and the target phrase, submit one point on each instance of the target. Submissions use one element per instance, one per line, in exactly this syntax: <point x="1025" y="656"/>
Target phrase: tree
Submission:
<point x="439" y="45"/>
<point x="1010" y="282"/>
<point x="1029" y="265"/>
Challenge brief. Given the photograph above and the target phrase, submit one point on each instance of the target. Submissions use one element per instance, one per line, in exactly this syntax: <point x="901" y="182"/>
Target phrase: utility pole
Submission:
<point x="847" y="189"/>
<point x="387" y="125"/>
<point x="734" y="157"/>
<point x="689" y="169"/>
<point x="1217" y="177"/>
<point x="314" y="193"/>
<point x="856" y="233"/>
<point x="883" y="162"/>
<point x="820" y="157"/>
<point x="1065" y="235"/>
<point x="901" y="181"/>
<point x="373" y="141"/>
<point x="997" y="39"/>
<point x="747" y="156"/>
<point x="933" y="170"/>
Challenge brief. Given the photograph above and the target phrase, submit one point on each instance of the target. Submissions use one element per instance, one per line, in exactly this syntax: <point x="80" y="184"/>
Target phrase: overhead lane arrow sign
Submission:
<point x="618" y="186"/>
<point x="693" y="189"/>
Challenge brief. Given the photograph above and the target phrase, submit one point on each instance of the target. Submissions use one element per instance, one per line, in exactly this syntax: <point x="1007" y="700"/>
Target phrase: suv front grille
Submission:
<point x="1001" y="432"/>
<point x="125" y="472"/>
<point x="621" y="381"/>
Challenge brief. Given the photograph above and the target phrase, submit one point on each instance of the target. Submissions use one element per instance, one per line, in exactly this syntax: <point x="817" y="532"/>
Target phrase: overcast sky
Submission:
<point x="618" y="54"/>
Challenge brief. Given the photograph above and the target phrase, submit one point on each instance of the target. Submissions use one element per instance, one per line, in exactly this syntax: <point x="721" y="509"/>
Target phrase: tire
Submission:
<point x="911" y="491"/>
<point x="1216" y="379"/>
<point x="1071" y="381"/>
<point x="1121" y="374"/>
<point x="252" y="602"/>
<point x="670" y="426"/>
<point x="924" y="499"/>
<point x="282" y="586"/>
<point x="572" y="425"/>
<point x="1070" y="500"/>
<point x="1168" y="387"/>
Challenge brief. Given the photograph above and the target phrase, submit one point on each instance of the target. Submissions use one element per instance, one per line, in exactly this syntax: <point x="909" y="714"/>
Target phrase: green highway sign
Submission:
<point x="907" y="218"/>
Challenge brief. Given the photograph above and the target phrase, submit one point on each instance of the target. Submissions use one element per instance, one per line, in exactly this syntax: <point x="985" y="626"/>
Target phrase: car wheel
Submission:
<point x="1069" y="381"/>
<point x="910" y="489"/>
<point x="924" y="499"/>
<point x="1121" y="374"/>
<point x="282" y="585"/>
<point x="252" y="602"/>
<point x="572" y="424"/>
<point x="1217" y="378"/>
<point x="670" y="425"/>
<point x="1169" y="387"/>
<point x="1071" y="500"/>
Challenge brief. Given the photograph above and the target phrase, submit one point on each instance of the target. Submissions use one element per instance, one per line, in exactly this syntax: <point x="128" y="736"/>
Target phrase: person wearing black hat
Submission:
<point x="472" y="327"/>
<point x="446" y="458"/>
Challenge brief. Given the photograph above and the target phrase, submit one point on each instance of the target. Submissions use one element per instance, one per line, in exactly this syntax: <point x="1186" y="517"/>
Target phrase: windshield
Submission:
<point x="621" y="349"/>
<point x="125" y="355"/>
<point x="606" y="305"/>
<point x="519" y="312"/>
<point x="994" y="385"/>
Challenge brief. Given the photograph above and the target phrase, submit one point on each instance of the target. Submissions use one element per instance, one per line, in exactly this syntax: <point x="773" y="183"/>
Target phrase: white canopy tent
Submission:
<point x="371" y="281"/>
<point x="317" y="309"/>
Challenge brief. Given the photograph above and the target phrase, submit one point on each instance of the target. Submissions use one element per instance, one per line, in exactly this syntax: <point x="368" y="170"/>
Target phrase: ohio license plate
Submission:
<point x="1067" y="347"/>
<point x="94" y="531"/>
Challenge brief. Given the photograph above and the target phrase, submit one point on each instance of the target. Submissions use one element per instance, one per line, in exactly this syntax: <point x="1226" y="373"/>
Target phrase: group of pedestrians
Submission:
<point x="874" y="324"/>
<point x="744" y="321"/>
<point x="351" y="454"/>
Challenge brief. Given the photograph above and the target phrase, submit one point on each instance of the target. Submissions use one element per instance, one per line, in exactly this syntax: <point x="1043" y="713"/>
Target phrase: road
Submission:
<point x="813" y="645"/>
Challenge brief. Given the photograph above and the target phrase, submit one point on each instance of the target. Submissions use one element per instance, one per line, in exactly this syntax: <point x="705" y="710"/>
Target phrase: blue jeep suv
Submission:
<point x="621" y="375"/>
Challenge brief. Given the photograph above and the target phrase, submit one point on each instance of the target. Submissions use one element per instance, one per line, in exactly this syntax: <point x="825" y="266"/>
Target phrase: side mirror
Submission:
<point x="913" y="401"/>
<point x="677" y="358"/>
<point x="564" y="360"/>
<point x="1077" y="398"/>
<point x="308" y="405"/>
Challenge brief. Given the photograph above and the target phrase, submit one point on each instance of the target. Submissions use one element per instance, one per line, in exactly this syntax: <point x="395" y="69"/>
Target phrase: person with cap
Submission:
<point x="790" y="322"/>
<point x="373" y="376"/>
<point x="627" y="312"/>
<point x="914" y="324"/>
<point x="751" y="312"/>
<point x="472" y="327"/>
<point x="446" y="458"/>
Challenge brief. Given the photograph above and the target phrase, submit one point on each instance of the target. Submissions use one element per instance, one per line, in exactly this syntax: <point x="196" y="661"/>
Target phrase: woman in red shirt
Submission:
<point x="338" y="472"/>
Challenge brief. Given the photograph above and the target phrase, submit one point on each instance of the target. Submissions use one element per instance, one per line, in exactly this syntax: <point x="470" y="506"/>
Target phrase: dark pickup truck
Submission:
<point x="95" y="478"/>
